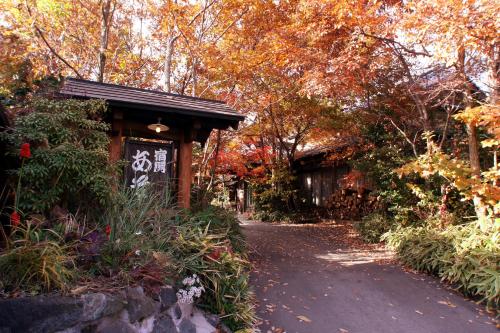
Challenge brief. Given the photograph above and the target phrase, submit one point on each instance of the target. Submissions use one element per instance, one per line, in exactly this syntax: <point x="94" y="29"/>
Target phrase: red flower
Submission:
<point x="25" y="150"/>
<point x="107" y="230"/>
<point x="15" y="219"/>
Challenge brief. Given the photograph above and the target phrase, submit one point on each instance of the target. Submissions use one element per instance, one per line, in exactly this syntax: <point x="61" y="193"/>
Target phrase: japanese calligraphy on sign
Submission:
<point x="148" y="163"/>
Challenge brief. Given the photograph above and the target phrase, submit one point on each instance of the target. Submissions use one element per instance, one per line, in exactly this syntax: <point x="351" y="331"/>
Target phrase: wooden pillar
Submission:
<point x="185" y="165"/>
<point x="115" y="146"/>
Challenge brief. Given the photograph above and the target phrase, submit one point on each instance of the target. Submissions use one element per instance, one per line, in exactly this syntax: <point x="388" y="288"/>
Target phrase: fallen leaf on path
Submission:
<point x="270" y="307"/>
<point x="448" y="303"/>
<point x="419" y="312"/>
<point x="304" y="318"/>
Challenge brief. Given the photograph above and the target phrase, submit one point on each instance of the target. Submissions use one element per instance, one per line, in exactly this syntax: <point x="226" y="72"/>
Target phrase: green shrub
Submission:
<point x="373" y="226"/>
<point x="37" y="261"/>
<point x="275" y="199"/>
<point x="224" y="272"/>
<point x="207" y="242"/>
<point x="69" y="164"/>
<point x="465" y="256"/>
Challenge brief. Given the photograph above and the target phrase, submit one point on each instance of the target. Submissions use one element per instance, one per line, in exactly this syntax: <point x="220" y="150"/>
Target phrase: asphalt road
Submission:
<point x="322" y="279"/>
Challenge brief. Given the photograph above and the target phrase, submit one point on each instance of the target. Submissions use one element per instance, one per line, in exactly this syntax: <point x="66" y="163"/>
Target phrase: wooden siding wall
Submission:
<point x="318" y="185"/>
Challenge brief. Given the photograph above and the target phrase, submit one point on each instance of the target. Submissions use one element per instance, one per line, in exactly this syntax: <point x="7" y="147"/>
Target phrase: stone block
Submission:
<point x="177" y="312"/>
<point x="164" y="324"/>
<point x="167" y="297"/>
<point x="186" y="326"/>
<point x="213" y="319"/>
<point x="115" y="326"/>
<point x="99" y="305"/>
<point x="139" y="306"/>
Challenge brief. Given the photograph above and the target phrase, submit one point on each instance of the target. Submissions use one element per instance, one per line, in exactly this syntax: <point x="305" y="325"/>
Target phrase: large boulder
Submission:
<point x="40" y="313"/>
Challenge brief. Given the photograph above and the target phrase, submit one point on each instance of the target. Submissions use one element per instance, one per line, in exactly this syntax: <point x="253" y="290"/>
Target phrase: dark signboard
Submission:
<point x="148" y="163"/>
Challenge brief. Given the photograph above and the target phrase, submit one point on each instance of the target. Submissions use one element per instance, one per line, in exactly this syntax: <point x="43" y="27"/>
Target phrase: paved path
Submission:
<point x="322" y="279"/>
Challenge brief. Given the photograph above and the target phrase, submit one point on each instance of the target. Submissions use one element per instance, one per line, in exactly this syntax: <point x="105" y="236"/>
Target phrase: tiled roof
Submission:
<point x="336" y="146"/>
<point x="155" y="100"/>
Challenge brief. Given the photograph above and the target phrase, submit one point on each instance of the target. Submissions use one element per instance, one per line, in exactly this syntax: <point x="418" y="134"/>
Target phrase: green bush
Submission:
<point x="465" y="256"/>
<point x="275" y="199"/>
<point x="146" y="224"/>
<point x="204" y="246"/>
<point x="69" y="164"/>
<point x="373" y="226"/>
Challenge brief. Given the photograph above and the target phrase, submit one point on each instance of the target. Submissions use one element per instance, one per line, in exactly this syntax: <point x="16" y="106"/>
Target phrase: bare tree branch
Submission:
<point x="46" y="42"/>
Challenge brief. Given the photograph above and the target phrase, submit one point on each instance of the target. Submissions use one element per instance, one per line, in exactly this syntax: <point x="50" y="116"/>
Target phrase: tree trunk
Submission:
<point x="472" y="136"/>
<point x="194" y="78"/>
<point x="473" y="149"/>
<point x="494" y="68"/>
<point x="167" y="68"/>
<point x="204" y="161"/>
<point x="216" y="157"/>
<point x="471" y="127"/>
<point x="107" y="9"/>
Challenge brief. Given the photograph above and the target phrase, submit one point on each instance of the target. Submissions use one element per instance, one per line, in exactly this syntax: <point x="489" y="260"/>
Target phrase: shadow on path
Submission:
<point x="322" y="278"/>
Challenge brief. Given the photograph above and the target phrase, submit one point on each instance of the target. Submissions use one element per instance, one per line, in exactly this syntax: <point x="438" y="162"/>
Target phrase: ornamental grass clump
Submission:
<point x="466" y="256"/>
<point x="224" y="272"/>
<point x="37" y="260"/>
<point x="139" y="221"/>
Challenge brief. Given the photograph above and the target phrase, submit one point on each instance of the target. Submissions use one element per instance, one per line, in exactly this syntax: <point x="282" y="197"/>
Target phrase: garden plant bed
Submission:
<point x="128" y="310"/>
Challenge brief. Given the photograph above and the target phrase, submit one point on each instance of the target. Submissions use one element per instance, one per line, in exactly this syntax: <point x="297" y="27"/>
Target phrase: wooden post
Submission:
<point x="185" y="165"/>
<point x="115" y="146"/>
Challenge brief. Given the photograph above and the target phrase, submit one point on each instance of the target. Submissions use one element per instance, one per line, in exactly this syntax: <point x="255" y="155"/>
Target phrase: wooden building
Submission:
<point x="243" y="196"/>
<point x="324" y="170"/>
<point x="162" y="117"/>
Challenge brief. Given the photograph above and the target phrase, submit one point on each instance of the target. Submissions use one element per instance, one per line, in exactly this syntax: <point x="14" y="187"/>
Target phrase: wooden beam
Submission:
<point x="135" y="129"/>
<point x="185" y="165"/>
<point x="115" y="145"/>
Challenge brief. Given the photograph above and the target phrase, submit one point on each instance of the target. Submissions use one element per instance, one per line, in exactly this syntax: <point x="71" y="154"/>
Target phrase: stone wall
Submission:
<point x="127" y="311"/>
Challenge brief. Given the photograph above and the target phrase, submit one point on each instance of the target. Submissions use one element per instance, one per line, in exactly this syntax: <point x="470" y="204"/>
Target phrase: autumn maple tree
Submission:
<point x="303" y="72"/>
